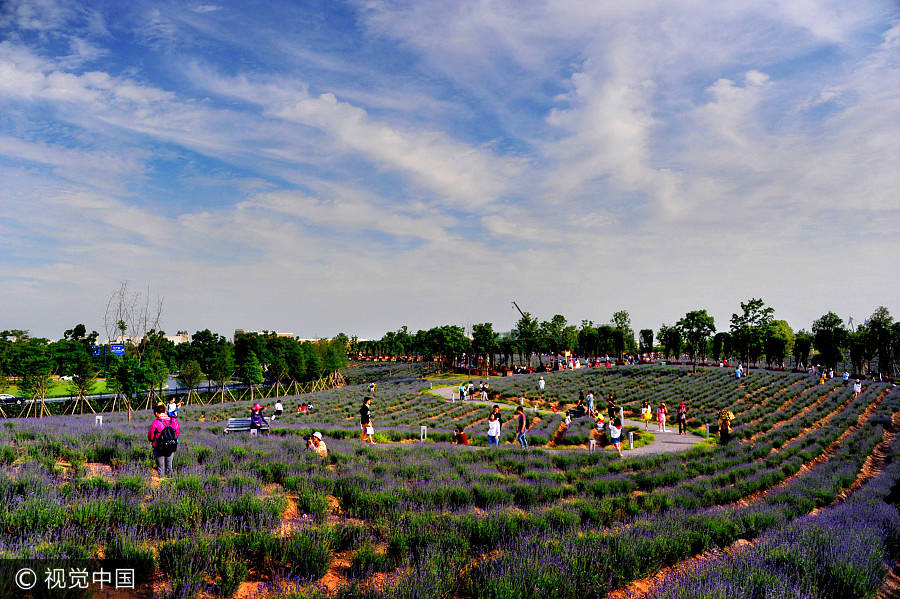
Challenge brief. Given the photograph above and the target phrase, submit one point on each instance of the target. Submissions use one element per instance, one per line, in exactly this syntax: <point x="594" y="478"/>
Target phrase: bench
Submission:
<point x="239" y="425"/>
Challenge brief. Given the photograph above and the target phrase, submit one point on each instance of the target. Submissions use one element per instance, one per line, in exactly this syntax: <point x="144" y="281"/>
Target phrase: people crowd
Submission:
<point x="164" y="430"/>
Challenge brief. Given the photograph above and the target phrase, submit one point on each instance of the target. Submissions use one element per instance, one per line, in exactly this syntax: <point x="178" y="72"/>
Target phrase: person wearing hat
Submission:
<point x="315" y="443"/>
<point x="541" y="384"/>
<point x="365" y="421"/>
<point x="256" y="416"/>
<point x="682" y="419"/>
<point x="857" y="389"/>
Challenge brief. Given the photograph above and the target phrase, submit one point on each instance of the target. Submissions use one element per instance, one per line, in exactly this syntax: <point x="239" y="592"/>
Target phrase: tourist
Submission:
<point x="590" y="402"/>
<point x="521" y="427"/>
<point x="163" y="436"/>
<point x="541" y="384"/>
<point x="579" y="410"/>
<point x="661" y="413"/>
<point x="459" y="436"/>
<point x="495" y="421"/>
<point x="365" y="421"/>
<point x="315" y="443"/>
<point x="256" y="417"/>
<point x="611" y="408"/>
<point x="739" y="371"/>
<point x="646" y="414"/>
<point x="857" y="389"/>
<point x="172" y="408"/>
<point x="846" y="377"/>
<point x="725" y="418"/>
<point x="682" y="419"/>
<point x="279" y="409"/>
<point x="615" y="434"/>
<point x="484" y="392"/>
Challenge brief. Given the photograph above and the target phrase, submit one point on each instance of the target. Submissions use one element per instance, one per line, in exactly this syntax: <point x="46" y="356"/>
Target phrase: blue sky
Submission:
<point x="324" y="167"/>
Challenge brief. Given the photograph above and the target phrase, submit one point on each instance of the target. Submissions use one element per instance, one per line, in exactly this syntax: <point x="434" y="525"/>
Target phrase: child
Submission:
<point x="646" y="414"/>
<point x="661" y="412"/>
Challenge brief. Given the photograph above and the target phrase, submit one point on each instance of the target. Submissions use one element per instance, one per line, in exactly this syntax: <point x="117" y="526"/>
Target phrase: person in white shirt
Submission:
<point x="279" y="409"/>
<point x="857" y="389"/>
<point x="541" y="384"/>
<point x="615" y="434"/>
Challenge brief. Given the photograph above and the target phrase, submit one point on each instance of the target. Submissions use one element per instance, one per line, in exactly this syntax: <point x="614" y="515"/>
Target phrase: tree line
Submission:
<point x="33" y="362"/>
<point x="753" y="336"/>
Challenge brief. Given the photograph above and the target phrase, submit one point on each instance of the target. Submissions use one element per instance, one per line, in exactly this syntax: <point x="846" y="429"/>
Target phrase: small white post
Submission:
<point x="707" y="430"/>
<point x="423" y="433"/>
<point x="630" y="439"/>
<point x="253" y="432"/>
<point x="98" y="420"/>
<point x="622" y="415"/>
<point x="592" y="445"/>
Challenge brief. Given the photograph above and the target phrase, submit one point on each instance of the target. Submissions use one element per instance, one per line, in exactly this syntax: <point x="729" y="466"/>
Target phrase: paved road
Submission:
<point x="670" y="442"/>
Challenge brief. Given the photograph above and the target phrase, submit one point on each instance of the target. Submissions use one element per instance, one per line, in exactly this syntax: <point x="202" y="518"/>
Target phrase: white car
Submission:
<point x="7" y="398"/>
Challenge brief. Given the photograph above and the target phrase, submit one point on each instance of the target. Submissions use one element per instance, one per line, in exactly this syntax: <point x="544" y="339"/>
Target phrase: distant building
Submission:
<point x="179" y="338"/>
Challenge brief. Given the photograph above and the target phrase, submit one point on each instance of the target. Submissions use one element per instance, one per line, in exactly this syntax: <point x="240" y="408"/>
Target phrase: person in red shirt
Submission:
<point x="459" y="437"/>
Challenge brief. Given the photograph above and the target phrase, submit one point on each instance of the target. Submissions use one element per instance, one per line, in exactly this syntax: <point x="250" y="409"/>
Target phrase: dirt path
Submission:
<point x="666" y="442"/>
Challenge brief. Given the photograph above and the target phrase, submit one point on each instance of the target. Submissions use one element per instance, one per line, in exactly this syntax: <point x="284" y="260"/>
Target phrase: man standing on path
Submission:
<point x="521" y="427"/>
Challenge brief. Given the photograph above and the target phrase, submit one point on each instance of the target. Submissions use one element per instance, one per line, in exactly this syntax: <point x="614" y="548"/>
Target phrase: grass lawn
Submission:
<point x="62" y="389"/>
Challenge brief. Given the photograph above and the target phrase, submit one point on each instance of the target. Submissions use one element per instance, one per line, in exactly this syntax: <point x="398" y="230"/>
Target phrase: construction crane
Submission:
<point x="518" y="308"/>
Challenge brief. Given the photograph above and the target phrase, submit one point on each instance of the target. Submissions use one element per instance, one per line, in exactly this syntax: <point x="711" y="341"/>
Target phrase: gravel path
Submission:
<point x="670" y="442"/>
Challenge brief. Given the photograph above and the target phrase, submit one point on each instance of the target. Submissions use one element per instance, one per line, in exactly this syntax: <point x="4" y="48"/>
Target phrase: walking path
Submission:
<point x="670" y="442"/>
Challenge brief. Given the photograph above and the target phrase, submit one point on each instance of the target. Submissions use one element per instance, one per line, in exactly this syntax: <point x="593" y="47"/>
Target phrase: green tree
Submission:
<point x="696" y="327"/>
<point x="190" y="375"/>
<point x="130" y="376"/>
<point x="588" y="339"/>
<point x="670" y="338"/>
<point x="313" y="361"/>
<point x="606" y="339"/>
<point x="551" y="333"/>
<point x="527" y="333"/>
<point x="335" y="356"/>
<point x="860" y="347"/>
<point x="485" y="342"/>
<point x="296" y="363"/>
<point x="622" y="322"/>
<point x="646" y="339"/>
<point x="84" y="378"/>
<point x="250" y="372"/>
<point x="829" y="337"/>
<point x="222" y="367"/>
<point x="751" y="328"/>
<point x="880" y="338"/>
<point x="721" y="345"/>
<point x="802" y="347"/>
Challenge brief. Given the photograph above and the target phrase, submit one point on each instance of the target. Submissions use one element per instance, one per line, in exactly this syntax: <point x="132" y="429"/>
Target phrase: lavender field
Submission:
<point x="800" y="503"/>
